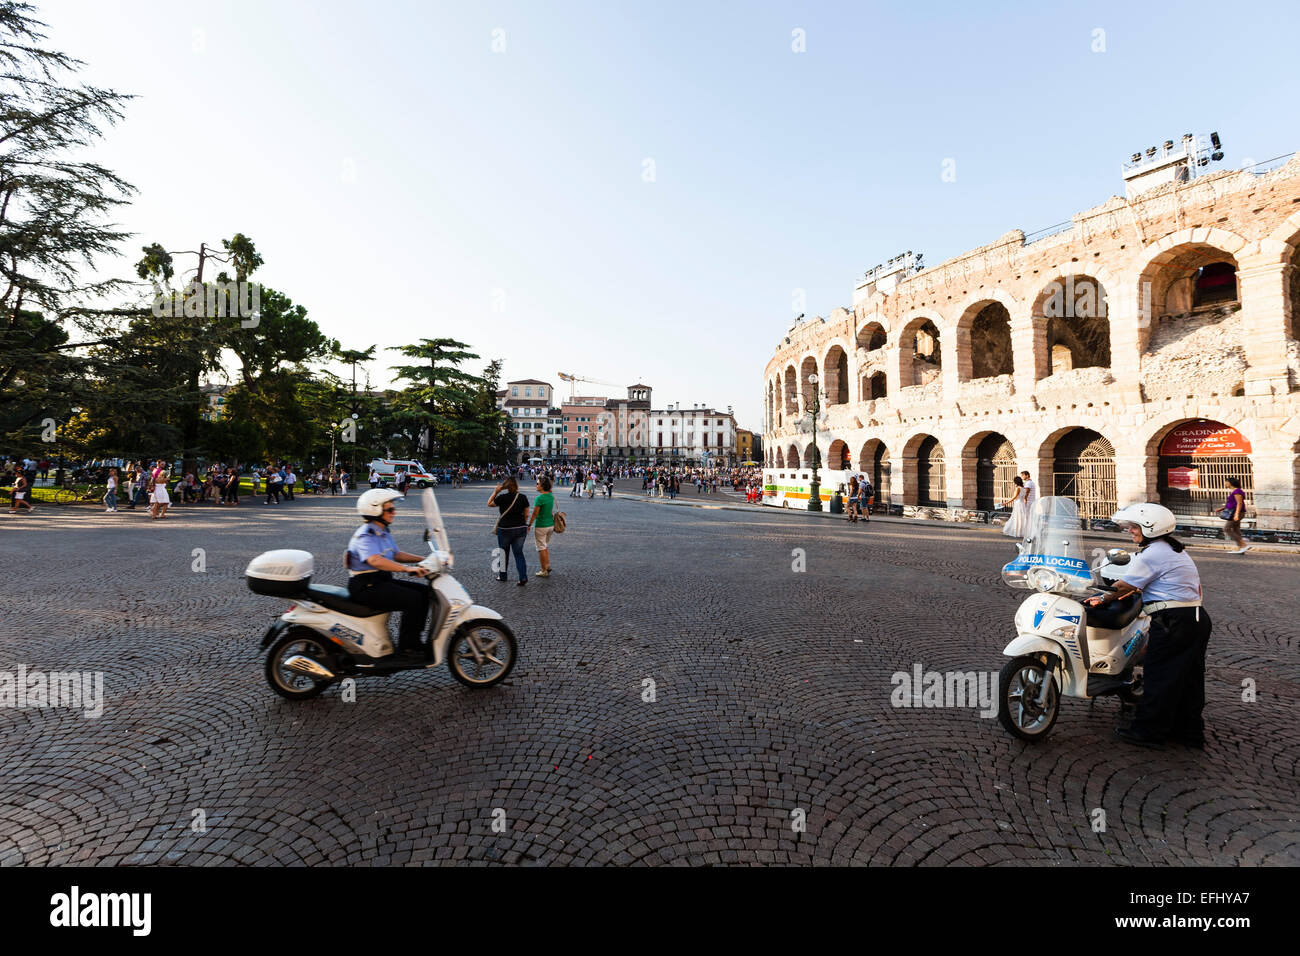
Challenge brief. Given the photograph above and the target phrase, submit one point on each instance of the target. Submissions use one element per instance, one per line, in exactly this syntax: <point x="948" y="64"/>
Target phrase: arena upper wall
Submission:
<point x="1073" y="356"/>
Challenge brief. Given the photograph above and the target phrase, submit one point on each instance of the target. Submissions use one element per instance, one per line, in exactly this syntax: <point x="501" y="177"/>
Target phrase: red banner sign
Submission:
<point x="1205" y="439"/>
<point x="1185" y="478"/>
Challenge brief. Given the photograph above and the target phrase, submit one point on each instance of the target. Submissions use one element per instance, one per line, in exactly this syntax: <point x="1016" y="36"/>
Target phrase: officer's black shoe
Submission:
<point x="1130" y="736"/>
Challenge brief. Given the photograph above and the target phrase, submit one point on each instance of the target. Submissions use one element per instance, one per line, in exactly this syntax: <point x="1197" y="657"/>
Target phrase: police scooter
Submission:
<point x="325" y="636"/>
<point x="1062" y="646"/>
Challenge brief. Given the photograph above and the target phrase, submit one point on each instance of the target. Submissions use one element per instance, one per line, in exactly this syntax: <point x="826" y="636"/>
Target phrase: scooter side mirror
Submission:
<point x="1118" y="556"/>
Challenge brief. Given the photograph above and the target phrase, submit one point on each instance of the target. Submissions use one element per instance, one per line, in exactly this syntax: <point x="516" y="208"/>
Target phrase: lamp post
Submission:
<point x="815" y="490"/>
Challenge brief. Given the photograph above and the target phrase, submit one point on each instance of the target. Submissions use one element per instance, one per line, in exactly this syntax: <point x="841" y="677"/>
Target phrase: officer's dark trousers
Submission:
<point x="1173" y="693"/>
<point x="377" y="589"/>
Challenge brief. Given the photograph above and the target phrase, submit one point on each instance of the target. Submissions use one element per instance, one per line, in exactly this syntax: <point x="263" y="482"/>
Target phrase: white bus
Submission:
<point x="792" y="487"/>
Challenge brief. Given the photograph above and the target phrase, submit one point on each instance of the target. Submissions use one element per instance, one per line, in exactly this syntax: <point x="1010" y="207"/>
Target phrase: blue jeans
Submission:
<point x="110" y="500"/>
<point x="512" y="539"/>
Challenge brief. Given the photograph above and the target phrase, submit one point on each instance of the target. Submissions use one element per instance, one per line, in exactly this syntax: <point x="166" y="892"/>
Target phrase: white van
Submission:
<point x="387" y="469"/>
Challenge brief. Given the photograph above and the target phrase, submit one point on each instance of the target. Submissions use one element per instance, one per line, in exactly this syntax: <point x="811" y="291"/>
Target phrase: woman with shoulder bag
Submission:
<point x="1233" y="511"/>
<point x="512" y="526"/>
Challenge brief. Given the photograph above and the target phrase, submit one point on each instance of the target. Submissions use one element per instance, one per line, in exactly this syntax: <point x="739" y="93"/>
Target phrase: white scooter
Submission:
<point x="1064" y="647"/>
<point x="326" y="637"/>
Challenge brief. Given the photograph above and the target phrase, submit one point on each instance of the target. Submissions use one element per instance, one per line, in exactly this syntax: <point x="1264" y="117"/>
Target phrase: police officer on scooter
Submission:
<point x="373" y="559"/>
<point x="1174" y="666"/>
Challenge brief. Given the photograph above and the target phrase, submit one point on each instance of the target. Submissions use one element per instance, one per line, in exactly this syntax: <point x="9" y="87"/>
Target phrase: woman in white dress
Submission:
<point x="1016" y="525"/>
<point x="158" y="497"/>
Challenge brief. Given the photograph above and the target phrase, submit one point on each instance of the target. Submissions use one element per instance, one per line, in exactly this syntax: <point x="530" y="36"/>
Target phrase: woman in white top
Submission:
<point x="159" y="499"/>
<point x="1018" y="523"/>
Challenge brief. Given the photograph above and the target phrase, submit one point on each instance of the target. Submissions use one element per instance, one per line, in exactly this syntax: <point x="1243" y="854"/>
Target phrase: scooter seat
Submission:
<point x="1114" y="615"/>
<point x="338" y="599"/>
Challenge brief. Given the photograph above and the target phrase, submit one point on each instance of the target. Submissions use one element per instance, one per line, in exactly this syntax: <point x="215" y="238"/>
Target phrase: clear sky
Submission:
<point x="635" y="191"/>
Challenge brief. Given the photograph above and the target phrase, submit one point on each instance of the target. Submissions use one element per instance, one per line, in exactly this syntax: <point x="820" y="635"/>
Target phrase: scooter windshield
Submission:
<point x="433" y="525"/>
<point x="1053" y="558"/>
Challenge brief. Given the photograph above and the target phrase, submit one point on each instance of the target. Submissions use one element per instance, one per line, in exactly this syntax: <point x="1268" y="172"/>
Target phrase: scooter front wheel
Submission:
<point x="482" y="653"/>
<point x="1019" y="687"/>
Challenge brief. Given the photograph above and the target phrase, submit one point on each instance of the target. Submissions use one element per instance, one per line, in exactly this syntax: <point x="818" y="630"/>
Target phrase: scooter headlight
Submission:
<point x="1044" y="579"/>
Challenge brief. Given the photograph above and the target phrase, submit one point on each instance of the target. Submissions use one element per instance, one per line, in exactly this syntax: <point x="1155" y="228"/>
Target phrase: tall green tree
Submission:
<point x="433" y="405"/>
<point x="54" y="210"/>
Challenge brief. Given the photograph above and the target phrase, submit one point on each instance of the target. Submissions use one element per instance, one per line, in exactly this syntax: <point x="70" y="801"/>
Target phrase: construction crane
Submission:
<point x="572" y="379"/>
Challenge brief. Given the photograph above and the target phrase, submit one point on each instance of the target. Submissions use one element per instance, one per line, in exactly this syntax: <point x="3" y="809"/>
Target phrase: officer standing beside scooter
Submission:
<point x="1173" y="694"/>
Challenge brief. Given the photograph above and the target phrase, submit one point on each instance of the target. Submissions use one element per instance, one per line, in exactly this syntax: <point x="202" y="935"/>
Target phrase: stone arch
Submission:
<point x="836" y="375"/>
<point x="1081" y="465"/>
<point x="1176" y="294"/>
<point x="924" y="478"/>
<point x="792" y="457"/>
<point x="984" y="341"/>
<point x="1211" y="474"/>
<point x="873" y="460"/>
<point x="791" y="391"/>
<point x="920" y="358"/>
<point x="1285" y="241"/>
<point x="1071" y="324"/>
<point x="780" y="458"/>
<point x="837" y="456"/>
<point x="988" y="466"/>
<point x="874" y="386"/>
<point x="872" y="336"/>
<point x="807" y="368"/>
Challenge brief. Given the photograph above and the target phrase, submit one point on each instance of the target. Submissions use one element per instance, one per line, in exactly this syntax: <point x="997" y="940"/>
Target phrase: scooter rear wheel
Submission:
<point x="286" y="683"/>
<point x="1019" y="685"/>
<point x="482" y="653"/>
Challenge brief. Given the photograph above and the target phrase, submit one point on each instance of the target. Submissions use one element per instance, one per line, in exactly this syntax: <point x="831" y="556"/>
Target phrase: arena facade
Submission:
<point x="1146" y="352"/>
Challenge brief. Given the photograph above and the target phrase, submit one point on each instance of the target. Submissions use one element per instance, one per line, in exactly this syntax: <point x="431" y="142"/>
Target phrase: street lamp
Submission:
<point x="815" y="490"/>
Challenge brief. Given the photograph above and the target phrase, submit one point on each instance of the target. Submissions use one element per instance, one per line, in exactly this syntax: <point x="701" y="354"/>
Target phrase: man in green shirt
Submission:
<point x="543" y="519"/>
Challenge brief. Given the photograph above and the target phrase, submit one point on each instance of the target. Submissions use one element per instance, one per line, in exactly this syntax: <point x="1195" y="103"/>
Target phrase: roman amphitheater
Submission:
<point x="1147" y="351"/>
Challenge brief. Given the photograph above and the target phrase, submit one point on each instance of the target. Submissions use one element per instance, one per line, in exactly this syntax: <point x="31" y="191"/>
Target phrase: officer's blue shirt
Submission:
<point x="368" y="540"/>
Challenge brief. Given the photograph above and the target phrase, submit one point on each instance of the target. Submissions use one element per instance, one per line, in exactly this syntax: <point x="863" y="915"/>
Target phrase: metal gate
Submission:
<point x="1088" y="478"/>
<point x="931" y="483"/>
<point x="995" y="472"/>
<point x="1212" y="474"/>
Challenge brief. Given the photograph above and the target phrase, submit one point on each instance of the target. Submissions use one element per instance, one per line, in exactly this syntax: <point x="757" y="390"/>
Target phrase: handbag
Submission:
<point x="503" y="514"/>
<point x="559" y="522"/>
<point x="1227" y="513"/>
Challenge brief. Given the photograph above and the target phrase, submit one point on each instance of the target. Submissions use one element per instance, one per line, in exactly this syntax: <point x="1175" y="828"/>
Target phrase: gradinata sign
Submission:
<point x="1204" y="439"/>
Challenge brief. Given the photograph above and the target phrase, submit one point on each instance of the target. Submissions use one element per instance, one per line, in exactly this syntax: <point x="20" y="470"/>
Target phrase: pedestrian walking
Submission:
<point x="852" y="509"/>
<point x="1031" y="494"/>
<point x="1234" y="509"/>
<point x="511" y="527"/>
<point x="159" y="500"/>
<point x="542" y="520"/>
<point x="866" y="497"/>
<point x="110" y="496"/>
<point x="1018" y="523"/>
<point x="274" y="481"/>
<point x="18" y="497"/>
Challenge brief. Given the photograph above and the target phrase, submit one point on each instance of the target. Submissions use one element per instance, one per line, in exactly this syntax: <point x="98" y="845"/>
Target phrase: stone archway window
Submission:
<point x="922" y="357"/>
<point x="837" y="377"/>
<point x="990" y="342"/>
<point x="995" y="472"/>
<point x="876" y="387"/>
<point x="1072" y="312"/>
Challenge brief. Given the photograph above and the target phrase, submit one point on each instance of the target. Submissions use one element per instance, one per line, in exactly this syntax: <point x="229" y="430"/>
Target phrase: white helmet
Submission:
<point x="1153" y="520"/>
<point x="371" y="503"/>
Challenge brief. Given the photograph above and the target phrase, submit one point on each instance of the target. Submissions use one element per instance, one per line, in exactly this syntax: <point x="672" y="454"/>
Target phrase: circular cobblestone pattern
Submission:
<point x="766" y="736"/>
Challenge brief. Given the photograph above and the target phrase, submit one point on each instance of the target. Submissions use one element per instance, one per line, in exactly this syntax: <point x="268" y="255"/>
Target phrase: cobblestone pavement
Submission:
<point x="772" y="705"/>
